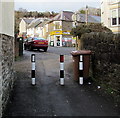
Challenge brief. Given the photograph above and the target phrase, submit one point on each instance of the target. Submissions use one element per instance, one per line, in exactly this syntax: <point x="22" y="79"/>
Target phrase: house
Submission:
<point x="81" y="18"/>
<point x="59" y="28"/>
<point x="24" y="24"/>
<point x="42" y="29"/>
<point x="33" y="28"/>
<point x="110" y="14"/>
<point x="6" y="52"/>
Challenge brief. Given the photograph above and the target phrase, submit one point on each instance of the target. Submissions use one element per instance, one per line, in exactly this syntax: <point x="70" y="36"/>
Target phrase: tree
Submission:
<point x="91" y="11"/>
<point x="82" y="11"/>
<point x="87" y="28"/>
<point x="46" y="14"/>
<point x="22" y="10"/>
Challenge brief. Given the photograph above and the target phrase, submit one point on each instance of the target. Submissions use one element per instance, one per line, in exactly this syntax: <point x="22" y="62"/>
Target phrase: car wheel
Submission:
<point x="30" y="48"/>
<point x="45" y="50"/>
<point x="25" y="47"/>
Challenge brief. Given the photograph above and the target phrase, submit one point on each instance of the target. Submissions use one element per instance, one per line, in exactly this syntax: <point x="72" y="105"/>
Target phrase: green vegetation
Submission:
<point x="87" y="28"/>
<point x="105" y="61"/>
<point x="91" y="11"/>
<point x="23" y="13"/>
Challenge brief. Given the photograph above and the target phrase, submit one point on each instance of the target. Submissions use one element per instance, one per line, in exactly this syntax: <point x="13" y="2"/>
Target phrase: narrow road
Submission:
<point x="48" y="98"/>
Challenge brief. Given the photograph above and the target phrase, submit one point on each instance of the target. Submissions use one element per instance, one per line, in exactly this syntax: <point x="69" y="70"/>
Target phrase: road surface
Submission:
<point x="48" y="98"/>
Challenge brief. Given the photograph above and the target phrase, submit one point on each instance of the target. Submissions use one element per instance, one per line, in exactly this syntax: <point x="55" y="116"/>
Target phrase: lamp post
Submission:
<point x="75" y="27"/>
<point x="74" y="18"/>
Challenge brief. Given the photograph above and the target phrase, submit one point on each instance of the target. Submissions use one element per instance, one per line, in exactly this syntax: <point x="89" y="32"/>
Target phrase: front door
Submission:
<point x="58" y="40"/>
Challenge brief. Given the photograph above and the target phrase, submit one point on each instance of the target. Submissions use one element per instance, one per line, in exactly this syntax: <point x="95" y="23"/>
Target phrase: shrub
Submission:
<point x="87" y="28"/>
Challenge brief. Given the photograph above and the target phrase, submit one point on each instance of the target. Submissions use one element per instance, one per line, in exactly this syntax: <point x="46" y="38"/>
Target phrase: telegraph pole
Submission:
<point x="75" y="27"/>
<point x="86" y="19"/>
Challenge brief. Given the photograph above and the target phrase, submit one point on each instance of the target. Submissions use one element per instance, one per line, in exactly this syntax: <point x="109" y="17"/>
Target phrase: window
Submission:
<point x="57" y="25"/>
<point x="114" y="21"/>
<point x="119" y="16"/>
<point x="114" y="17"/>
<point x="119" y="20"/>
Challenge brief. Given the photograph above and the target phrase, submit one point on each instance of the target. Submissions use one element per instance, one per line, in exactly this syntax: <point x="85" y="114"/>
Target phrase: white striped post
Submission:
<point x="62" y="70"/>
<point x="33" y="69"/>
<point x="81" y="70"/>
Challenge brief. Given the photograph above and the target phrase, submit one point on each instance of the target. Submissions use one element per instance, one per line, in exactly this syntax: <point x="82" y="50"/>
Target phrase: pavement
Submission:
<point x="48" y="97"/>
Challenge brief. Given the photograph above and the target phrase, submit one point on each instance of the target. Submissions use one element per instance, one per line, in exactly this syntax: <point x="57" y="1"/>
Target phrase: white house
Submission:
<point x="24" y="24"/>
<point x="110" y="14"/>
<point x="33" y="28"/>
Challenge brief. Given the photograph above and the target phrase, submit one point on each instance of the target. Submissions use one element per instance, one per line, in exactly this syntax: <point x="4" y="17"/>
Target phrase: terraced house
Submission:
<point x="24" y="25"/>
<point x="110" y="14"/>
<point x="57" y="30"/>
<point x="33" y="28"/>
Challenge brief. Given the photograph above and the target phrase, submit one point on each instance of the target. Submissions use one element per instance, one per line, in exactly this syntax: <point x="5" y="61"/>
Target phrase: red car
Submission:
<point x="36" y="43"/>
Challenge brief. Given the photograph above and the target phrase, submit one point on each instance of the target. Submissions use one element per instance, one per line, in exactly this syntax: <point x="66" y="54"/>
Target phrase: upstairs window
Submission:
<point x="119" y="16"/>
<point x="114" y="17"/>
<point x="57" y="25"/>
<point x="119" y="20"/>
<point x="114" y="21"/>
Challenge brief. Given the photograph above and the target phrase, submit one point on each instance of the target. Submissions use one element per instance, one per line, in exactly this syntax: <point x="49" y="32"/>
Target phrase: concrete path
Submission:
<point x="48" y="98"/>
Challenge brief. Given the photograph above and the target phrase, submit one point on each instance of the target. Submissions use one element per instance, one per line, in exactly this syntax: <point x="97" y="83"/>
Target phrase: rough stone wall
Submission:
<point x="16" y="48"/>
<point x="0" y="78"/>
<point x="105" y="59"/>
<point x="7" y="67"/>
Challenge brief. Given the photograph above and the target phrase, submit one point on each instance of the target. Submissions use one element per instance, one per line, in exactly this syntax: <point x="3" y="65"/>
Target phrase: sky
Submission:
<point x="55" y="5"/>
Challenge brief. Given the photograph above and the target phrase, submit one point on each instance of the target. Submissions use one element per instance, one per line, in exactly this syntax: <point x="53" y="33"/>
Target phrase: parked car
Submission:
<point x="36" y="43"/>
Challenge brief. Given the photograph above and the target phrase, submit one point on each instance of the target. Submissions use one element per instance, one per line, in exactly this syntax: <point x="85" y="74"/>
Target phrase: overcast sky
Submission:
<point x="55" y="5"/>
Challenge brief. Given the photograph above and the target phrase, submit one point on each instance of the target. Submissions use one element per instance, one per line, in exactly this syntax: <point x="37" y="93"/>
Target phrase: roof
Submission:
<point x="91" y="18"/>
<point x="63" y="15"/>
<point x="36" y="22"/>
<point x="42" y="23"/>
<point x="28" y="20"/>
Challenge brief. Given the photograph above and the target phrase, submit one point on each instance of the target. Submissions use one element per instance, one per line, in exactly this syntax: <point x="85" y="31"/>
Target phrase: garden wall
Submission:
<point x="105" y="59"/>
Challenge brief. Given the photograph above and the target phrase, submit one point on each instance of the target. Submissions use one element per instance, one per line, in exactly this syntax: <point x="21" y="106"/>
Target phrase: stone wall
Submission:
<point x="0" y="78"/>
<point x="105" y="59"/>
<point x="7" y="67"/>
<point x="16" y="47"/>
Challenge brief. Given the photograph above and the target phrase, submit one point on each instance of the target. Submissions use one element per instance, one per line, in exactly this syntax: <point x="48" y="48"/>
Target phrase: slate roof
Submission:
<point x="91" y="18"/>
<point x="28" y="20"/>
<point x="36" y="22"/>
<point x="42" y="23"/>
<point x="63" y="15"/>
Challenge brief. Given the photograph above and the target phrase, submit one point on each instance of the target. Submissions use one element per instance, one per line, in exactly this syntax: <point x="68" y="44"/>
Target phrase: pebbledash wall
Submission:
<point x="6" y="52"/>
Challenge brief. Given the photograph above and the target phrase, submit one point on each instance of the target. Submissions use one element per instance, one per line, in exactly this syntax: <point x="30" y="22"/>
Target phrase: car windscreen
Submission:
<point x="39" y="39"/>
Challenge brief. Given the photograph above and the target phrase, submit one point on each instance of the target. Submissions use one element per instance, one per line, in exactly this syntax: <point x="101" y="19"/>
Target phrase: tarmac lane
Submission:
<point x="48" y="97"/>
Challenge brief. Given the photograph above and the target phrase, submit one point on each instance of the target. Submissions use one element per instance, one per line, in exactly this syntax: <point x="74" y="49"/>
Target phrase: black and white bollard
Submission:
<point x="33" y="69"/>
<point x="62" y="70"/>
<point x="81" y="70"/>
